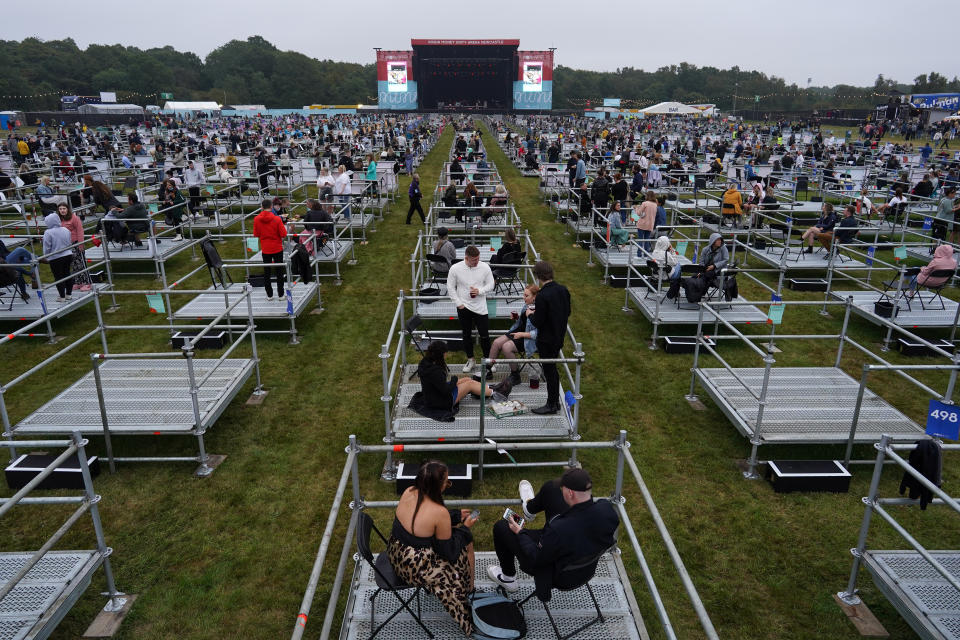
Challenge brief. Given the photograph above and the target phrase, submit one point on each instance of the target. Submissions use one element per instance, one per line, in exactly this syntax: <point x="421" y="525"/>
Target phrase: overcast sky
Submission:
<point x="836" y="41"/>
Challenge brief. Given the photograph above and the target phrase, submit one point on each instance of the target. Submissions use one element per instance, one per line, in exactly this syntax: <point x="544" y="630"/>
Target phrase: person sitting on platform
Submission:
<point x="100" y="194"/>
<point x="443" y="247"/>
<point x="584" y="529"/>
<point x="456" y="171"/>
<point x="509" y="245"/>
<point x="431" y="546"/>
<point x="440" y="393"/>
<point x="318" y="220"/>
<point x="826" y="223"/>
<point x="618" y="235"/>
<point x="846" y="230"/>
<point x="450" y="195"/>
<point x="136" y="217"/>
<point x="514" y="340"/>
<point x="713" y="258"/>
<point x="499" y="200"/>
<point x="732" y="205"/>
<point x="667" y="258"/>
<point x="942" y="260"/>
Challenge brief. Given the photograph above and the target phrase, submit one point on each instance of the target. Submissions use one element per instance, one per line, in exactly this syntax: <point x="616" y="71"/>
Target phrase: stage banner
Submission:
<point x="533" y="88"/>
<point x="396" y="89"/>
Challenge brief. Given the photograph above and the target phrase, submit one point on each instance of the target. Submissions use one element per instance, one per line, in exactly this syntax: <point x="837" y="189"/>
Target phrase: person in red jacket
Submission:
<point x="269" y="229"/>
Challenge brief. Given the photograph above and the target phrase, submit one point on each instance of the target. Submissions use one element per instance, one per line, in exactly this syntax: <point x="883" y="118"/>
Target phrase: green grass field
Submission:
<point x="229" y="556"/>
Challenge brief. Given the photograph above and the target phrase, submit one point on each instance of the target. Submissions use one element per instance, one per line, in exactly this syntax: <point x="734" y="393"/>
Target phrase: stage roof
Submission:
<point x="462" y="43"/>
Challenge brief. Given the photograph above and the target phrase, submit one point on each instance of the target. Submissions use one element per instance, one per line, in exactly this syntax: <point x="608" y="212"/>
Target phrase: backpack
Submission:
<point x="496" y="617"/>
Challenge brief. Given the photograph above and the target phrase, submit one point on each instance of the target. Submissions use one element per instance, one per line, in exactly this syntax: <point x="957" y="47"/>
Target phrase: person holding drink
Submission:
<point x="515" y="340"/>
<point x="468" y="283"/>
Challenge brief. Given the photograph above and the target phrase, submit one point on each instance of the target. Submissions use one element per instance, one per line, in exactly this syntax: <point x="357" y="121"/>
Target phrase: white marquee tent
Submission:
<point x="671" y="109"/>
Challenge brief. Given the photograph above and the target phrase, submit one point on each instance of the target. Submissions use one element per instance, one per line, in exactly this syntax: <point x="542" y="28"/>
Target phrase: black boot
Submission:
<point x="546" y="409"/>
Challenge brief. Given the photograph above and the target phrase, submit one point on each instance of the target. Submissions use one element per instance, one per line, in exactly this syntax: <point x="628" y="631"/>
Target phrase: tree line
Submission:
<point x="254" y="71"/>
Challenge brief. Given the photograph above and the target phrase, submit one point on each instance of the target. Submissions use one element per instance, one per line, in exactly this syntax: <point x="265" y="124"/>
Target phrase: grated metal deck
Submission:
<point x="689" y="313"/>
<point x="32" y="309"/>
<point x="916" y="317"/>
<point x="570" y="609"/>
<point x="210" y="305"/>
<point x="409" y="425"/>
<point x="42" y="598"/>
<point x="357" y="221"/>
<point x="816" y="261"/>
<point x="166" y="249"/>
<point x="805" y="405"/>
<point x="929" y="603"/>
<point x="144" y="396"/>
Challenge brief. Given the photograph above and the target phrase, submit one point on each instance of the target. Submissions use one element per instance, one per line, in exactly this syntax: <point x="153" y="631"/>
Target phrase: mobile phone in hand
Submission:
<point x="475" y="514"/>
<point x="511" y="516"/>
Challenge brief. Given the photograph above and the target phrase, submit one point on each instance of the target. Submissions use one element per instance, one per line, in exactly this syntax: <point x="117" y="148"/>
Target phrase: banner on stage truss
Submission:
<point x="533" y="88"/>
<point x="396" y="90"/>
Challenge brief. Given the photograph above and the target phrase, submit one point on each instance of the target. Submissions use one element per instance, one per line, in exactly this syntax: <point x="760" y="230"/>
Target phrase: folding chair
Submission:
<point x="385" y="577"/>
<point x="214" y="263"/>
<point x="936" y="290"/>
<point x="9" y="278"/>
<point x="507" y="277"/>
<point x="892" y="286"/>
<point x="437" y="276"/>
<point x="893" y="215"/>
<point x="716" y="287"/>
<point x="658" y="276"/>
<point x="421" y="342"/>
<point x="571" y="576"/>
<point x="688" y="270"/>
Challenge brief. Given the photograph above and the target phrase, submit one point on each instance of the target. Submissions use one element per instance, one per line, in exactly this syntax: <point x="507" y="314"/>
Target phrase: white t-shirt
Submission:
<point x="341" y="185"/>
<point x="459" y="280"/>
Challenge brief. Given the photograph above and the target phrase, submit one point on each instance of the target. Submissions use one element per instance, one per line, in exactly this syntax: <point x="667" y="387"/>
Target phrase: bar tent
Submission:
<point x="670" y="109"/>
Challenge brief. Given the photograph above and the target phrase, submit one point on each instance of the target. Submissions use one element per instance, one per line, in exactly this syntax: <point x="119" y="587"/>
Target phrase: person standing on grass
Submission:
<point x="468" y="283"/>
<point x="552" y="310"/>
<point x="268" y="228"/>
<point x="415" y="196"/>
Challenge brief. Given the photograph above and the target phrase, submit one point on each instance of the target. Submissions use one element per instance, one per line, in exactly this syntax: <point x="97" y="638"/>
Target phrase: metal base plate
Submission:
<point x="570" y="609"/>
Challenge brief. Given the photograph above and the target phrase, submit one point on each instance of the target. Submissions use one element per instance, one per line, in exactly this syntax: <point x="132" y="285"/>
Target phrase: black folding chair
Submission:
<point x="891" y="286"/>
<point x="568" y="577"/>
<point x="688" y="270"/>
<point x="422" y="339"/>
<point x="438" y="276"/>
<point x="936" y="290"/>
<point x="214" y="264"/>
<point x="506" y="277"/>
<point x="655" y="280"/>
<point x="385" y="577"/>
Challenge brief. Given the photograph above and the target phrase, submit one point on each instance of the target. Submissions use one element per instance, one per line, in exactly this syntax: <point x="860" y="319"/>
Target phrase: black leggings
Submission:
<point x="279" y="273"/>
<point x="61" y="269"/>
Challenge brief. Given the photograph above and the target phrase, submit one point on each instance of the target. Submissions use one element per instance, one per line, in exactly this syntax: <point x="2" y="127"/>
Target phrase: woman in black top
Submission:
<point x="431" y="546"/>
<point x="441" y="392"/>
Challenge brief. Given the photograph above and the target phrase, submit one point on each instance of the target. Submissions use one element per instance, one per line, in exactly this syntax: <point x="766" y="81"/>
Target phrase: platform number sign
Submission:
<point x="943" y="420"/>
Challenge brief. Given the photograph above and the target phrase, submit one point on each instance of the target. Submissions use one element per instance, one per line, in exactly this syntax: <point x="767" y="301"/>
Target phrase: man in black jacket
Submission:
<point x="550" y="316"/>
<point x="584" y="529"/>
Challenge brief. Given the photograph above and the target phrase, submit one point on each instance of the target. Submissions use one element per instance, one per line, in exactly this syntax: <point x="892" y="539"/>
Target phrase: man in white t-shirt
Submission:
<point x="342" y="189"/>
<point x="468" y="283"/>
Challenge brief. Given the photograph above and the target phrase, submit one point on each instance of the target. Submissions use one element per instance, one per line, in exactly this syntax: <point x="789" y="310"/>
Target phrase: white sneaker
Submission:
<point x="526" y="494"/>
<point x="493" y="368"/>
<point x="269" y="298"/>
<point x="508" y="584"/>
<point x="177" y="238"/>
<point x="59" y="299"/>
<point x="468" y="367"/>
<point x="69" y="298"/>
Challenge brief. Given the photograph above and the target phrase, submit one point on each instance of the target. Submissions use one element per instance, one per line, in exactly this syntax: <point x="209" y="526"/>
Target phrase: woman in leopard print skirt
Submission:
<point x="431" y="546"/>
